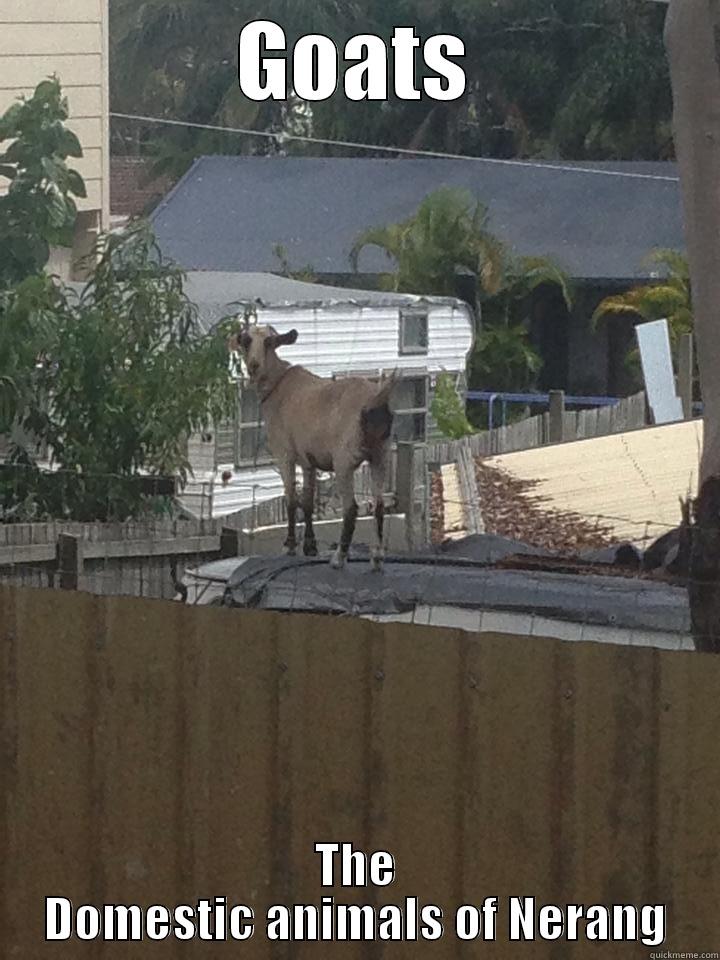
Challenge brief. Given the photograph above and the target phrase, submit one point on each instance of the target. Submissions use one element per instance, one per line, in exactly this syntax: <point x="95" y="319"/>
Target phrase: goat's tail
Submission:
<point x="387" y="385"/>
<point x="376" y="416"/>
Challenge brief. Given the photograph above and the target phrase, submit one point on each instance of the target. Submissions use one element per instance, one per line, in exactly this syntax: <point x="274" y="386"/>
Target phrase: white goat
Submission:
<point x="319" y="424"/>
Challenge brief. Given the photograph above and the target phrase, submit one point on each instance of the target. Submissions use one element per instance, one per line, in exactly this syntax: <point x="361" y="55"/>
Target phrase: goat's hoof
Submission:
<point x="377" y="560"/>
<point x="290" y="551"/>
<point x="337" y="561"/>
<point x="310" y="549"/>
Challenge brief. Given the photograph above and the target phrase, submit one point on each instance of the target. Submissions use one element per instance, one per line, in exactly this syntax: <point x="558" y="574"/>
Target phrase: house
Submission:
<point x="341" y="332"/>
<point x="39" y="38"/>
<point x="599" y="222"/>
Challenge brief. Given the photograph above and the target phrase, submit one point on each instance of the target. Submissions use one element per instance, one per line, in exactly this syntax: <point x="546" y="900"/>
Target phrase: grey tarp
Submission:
<point x="311" y="585"/>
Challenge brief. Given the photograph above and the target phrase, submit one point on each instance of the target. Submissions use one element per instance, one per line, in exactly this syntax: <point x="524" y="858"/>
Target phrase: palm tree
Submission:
<point x="573" y="78"/>
<point x="177" y="59"/>
<point x="670" y="299"/>
<point x="447" y="235"/>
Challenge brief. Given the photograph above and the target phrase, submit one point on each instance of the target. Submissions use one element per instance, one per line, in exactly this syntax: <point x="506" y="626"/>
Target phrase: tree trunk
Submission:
<point x="692" y="38"/>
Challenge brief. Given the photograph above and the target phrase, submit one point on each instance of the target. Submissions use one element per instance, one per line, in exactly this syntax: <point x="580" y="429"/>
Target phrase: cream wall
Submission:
<point x="68" y="38"/>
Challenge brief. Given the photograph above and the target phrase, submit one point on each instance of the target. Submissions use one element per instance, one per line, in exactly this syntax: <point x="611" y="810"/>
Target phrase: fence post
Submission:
<point x="229" y="543"/>
<point x="685" y="373"/>
<point x="413" y="494"/>
<point x="557" y="416"/>
<point x="403" y="476"/>
<point x="69" y="561"/>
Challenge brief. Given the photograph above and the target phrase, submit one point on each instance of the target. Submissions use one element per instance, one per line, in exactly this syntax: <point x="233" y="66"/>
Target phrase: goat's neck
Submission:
<point x="271" y="377"/>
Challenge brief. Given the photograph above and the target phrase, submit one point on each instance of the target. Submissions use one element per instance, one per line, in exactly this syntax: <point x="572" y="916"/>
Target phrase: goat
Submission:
<point x="319" y="423"/>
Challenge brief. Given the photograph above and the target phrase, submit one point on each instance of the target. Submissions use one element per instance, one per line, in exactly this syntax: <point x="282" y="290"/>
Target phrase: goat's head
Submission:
<point x="258" y="345"/>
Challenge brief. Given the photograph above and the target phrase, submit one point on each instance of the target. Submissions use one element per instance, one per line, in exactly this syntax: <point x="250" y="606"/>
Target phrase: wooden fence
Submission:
<point x="157" y="754"/>
<point x="132" y="559"/>
<point x="143" y="559"/>
<point x="628" y="414"/>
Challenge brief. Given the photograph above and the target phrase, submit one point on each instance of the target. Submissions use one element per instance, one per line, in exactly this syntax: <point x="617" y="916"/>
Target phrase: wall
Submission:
<point x="69" y="38"/>
<point x="153" y="753"/>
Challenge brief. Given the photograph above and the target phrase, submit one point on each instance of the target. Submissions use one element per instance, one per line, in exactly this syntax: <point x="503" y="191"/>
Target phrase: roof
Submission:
<point x="219" y="293"/>
<point x="413" y="582"/>
<point x="229" y="213"/>
<point x="631" y="482"/>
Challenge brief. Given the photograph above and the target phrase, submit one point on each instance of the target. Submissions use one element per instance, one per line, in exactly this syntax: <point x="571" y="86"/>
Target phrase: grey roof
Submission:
<point x="218" y="294"/>
<point x="228" y="213"/>
<point x="221" y="293"/>
<point x="311" y="585"/>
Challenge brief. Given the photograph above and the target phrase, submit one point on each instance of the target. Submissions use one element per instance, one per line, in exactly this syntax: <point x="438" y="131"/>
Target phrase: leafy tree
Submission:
<point x="37" y="211"/>
<point x="112" y="379"/>
<point x="448" y="411"/>
<point x="449" y="234"/>
<point x="177" y="59"/>
<point x="669" y="299"/>
<point x="565" y="78"/>
<point x="129" y="377"/>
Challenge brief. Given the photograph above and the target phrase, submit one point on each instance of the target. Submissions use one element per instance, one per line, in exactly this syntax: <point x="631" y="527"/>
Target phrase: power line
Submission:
<point x="404" y="151"/>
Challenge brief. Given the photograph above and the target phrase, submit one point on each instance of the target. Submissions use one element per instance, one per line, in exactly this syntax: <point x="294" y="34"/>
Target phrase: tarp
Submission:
<point x="311" y="585"/>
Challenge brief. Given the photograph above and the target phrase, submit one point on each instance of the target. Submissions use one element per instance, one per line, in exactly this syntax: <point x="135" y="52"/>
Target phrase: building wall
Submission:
<point x="70" y="39"/>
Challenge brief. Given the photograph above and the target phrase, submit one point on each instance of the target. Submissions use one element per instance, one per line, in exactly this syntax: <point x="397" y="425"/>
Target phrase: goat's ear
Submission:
<point x="286" y="339"/>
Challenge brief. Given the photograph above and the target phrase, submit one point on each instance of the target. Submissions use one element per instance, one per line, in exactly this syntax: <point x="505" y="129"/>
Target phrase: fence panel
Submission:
<point x="628" y="414"/>
<point x="157" y="754"/>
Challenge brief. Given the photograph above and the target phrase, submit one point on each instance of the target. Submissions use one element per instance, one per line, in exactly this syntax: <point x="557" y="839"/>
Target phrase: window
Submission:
<point x="413" y="330"/>
<point x="410" y="405"/>
<point x="251" y="439"/>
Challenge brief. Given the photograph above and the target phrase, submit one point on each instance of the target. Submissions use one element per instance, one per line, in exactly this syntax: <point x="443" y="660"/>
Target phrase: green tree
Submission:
<point x="113" y="379"/>
<point x="36" y="212"/>
<point x="129" y="377"/>
<point x="447" y="409"/>
<point x="177" y="59"/>
<point x="569" y="78"/>
<point x="447" y="235"/>
<point x="669" y="299"/>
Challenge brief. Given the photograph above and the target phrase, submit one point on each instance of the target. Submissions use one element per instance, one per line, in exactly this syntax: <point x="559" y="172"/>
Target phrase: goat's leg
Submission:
<point x="308" y="503"/>
<point x="377" y="479"/>
<point x="346" y="489"/>
<point x="289" y="483"/>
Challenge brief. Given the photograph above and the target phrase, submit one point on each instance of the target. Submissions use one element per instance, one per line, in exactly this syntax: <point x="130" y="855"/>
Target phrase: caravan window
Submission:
<point x="250" y="432"/>
<point x="410" y="407"/>
<point x="413" y="330"/>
